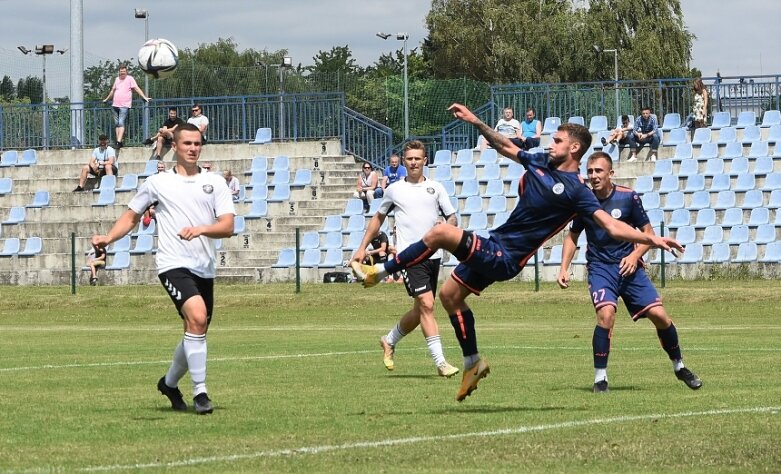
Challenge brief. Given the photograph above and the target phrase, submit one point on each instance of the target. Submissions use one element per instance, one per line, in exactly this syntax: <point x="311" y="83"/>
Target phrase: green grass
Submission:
<point x="299" y="386"/>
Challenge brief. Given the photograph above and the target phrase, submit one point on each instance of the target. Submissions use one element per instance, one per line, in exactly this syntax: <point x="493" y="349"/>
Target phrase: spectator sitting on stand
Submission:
<point x="165" y="134"/>
<point x="233" y="184"/>
<point x="200" y="121"/>
<point x="645" y="132"/>
<point x="620" y="134"/>
<point x="102" y="162"/>
<point x="365" y="186"/>
<point x="393" y="172"/>
<point x="96" y="257"/>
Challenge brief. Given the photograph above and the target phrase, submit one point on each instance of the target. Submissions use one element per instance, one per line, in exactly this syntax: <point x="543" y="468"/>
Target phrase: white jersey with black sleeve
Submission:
<point x="417" y="208"/>
<point x="184" y="201"/>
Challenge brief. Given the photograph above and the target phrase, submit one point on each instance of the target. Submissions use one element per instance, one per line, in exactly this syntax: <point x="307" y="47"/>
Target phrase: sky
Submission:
<point x="733" y="37"/>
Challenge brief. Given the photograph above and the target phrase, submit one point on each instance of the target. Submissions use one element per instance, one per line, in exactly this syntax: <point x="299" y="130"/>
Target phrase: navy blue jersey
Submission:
<point x="547" y="200"/>
<point x="623" y="204"/>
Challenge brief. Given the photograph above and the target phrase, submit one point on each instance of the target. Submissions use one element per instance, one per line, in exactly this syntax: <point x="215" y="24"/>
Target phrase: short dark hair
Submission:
<point x="196" y="106"/>
<point x="172" y="108"/>
<point x="624" y="118"/>
<point x="601" y="154"/>
<point x="415" y="145"/>
<point x="646" y="108"/>
<point x="579" y="133"/>
<point x="188" y="127"/>
<point x="103" y="138"/>
<point x="531" y="109"/>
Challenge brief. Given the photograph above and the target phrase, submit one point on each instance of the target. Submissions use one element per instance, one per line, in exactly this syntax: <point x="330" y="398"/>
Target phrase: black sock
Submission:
<point x="464" y="324"/>
<point x="600" y="342"/>
<point x="412" y="255"/>
<point x="669" y="340"/>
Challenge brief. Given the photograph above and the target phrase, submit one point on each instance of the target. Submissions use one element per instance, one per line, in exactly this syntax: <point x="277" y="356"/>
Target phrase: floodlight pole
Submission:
<point x="142" y="13"/>
<point x="615" y="72"/>
<point x="287" y="62"/>
<point x="402" y="37"/>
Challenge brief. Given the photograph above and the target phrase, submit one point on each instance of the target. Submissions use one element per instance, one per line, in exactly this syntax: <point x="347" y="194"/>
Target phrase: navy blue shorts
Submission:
<point x="637" y="290"/>
<point x="487" y="263"/>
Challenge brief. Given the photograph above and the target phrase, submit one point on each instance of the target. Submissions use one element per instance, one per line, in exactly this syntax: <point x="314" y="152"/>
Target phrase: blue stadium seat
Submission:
<point x="689" y="167"/>
<point x="469" y="188"/>
<point x="759" y="216"/>
<point x="9" y="158"/>
<point x="678" y="218"/>
<point x="676" y="136"/>
<point x="259" y="193"/>
<point x="477" y="221"/>
<point x="106" y="197"/>
<point x="644" y="184"/>
<point x="671" y="120"/>
<point x="281" y="163"/>
<point x="16" y="215"/>
<point x="466" y="173"/>
<point x="120" y="261"/>
<point x="303" y="177"/>
<point x="374" y="207"/>
<point x="774" y="201"/>
<point x="720" y="182"/>
<point x="442" y="157"/>
<point x="686" y="235"/>
<point x="772" y="252"/>
<point x="770" y="118"/>
<point x="753" y="198"/>
<point x="580" y="257"/>
<point x="464" y="157"/>
<point x="311" y="258"/>
<point x="332" y="224"/>
<point x="772" y="182"/>
<point x="491" y="171"/>
<point x="550" y="125"/>
<point x="333" y="240"/>
<point x="732" y="217"/>
<point x="738" y="166"/>
<point x="495" y="187"/>
<point x="514" y="188"/>
<point x="759" y="149"/>
<point x="332" y="259"/>
<point x="514" y="171"/>
<point x="41" y="199"/>
<point x="129" y="183"/>
<point x="738" y="234"/>
<point x="727" y="135"/>
<point x="745" y="182"/>
<point x="496" y="204"/>
<point x="554" y="258"/>
<point x="597" y="142"/>
<point x="144" y="244"/>
<point x="352" y="207"/>
<point x="450" y="188"/>
<point x="701" y="136"/>
<point x="453" y="202"/>
<point x="751" y="134"/>
<point x="693" y="253"/>
<point x="354" y="240"/>
<point x="668" y="184"/>
<point x="700" y="200"/>
<point x="259" y="165"/>
<point x="705" y="217"/>
<point x="6" y="185"/>
<point x="499" y="219"/>
<point x="663" y="168"/>
<point x="694" y="183"/>
<point x="121" y="245"/>
<point x="258" y="178"/>
<point x="655" y="216"/>
<point x="280" y="177"/>
<point x="713" y="167"/>
<point x="673" y="200"/>
<point x="598" y="123"/>
<point x="262" y="135"/>
<point x="149" y="169"/>
<point x="708" y="150"/>
<point x="310" y="240"/>
<point x="107" y="181"/>
<point x="657" y="257"/>
<point x="713" y="234"/>
<point x="239" y="225"/>
<point x="720" y="120"/>
<point x="488" y="156"/>
<point x="733" y="150"/>
<point x="145" y="229"/>
<point x="719" y="253"/>
<point x="763" y="166"/>
<point x="355" y="224"/>
<point x="774" y="135"/>
<point x="747" y="253"/>
<point x="684" y="151"/>
<point x="651" y="200"/>
<point x="614" y="152"/>
<point x="29" y="157"/>
<point x="746" y="118"/>
<point x="472" y="205"/>
<point x="577" y="119"/>
<point x="286" y="259"/>
<point x="442" y="173"/>
<point x="32" y="247"/>
<point x="281" y="193"/>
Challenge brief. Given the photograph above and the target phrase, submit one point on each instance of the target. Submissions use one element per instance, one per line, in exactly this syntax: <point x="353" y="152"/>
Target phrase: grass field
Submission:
<point x="299" y="386"/>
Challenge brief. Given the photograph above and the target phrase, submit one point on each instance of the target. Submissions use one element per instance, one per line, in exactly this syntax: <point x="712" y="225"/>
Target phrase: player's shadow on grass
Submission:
<point x="414" y="376"/>
<point x="499" y="409"/>
<point x="617" y="388"/>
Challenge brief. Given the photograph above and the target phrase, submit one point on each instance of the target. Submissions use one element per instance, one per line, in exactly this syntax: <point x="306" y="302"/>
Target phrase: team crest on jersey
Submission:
<point x="616" y="213"/>
<point x="430" y="190"/>
<point x="208" y="188"/>
<point x="558" y="188"/>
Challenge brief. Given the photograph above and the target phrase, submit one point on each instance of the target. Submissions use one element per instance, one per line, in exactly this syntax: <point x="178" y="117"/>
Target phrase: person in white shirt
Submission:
<point x="507" y="126"/>
<point x="102" y="162"/>
<point x="233" y="184"/>
<point x="417" y="203"/>
<point x="200" y="121"/>
<point x="193" y="208"/>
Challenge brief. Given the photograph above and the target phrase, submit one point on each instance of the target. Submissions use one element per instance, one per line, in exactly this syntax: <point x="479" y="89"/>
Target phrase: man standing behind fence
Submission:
<point x="122" y="92"/>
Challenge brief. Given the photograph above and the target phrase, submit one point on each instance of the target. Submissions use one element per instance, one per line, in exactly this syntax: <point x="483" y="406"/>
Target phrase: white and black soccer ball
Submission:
<point x="158" y="58"/>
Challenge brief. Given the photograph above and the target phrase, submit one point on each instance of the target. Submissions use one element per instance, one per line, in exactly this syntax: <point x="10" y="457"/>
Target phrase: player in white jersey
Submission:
<point x="192" y="209"/>
<point x="417" y="203"/>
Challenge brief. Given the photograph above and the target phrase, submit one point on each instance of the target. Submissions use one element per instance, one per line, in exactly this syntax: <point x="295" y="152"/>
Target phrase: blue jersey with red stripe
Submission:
<point x="547" y="200"/>
<point x="623" y="204"/>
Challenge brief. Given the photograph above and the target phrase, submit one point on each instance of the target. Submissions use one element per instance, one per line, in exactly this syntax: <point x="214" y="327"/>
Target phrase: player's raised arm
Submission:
<point x="497" y="141"/>
<point x="621" y="231"/>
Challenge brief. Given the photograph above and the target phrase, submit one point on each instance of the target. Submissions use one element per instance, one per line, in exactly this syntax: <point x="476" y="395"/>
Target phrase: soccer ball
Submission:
<point x="158" y="58"/>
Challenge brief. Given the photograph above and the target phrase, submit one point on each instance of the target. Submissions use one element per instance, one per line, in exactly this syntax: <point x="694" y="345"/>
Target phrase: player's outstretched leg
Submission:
<point x="388" y="351"/>
<point x="669" y="340"/>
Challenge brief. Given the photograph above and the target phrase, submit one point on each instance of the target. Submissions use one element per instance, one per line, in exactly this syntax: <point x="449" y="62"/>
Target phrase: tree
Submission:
<point x="7" y="89"/>
<point x="30" y="87"/>
<point x="509" y="41"/>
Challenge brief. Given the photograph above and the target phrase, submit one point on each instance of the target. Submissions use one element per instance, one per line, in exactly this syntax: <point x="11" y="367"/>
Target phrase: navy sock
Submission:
<point x="464" y="324"/>
<point x="600" y="342"/>
<point x="412" y="255"/>
<point x="669" y="339"/>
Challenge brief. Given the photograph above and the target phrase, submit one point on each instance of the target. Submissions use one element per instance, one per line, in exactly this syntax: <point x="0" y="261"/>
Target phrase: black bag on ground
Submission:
<point x="336" y="277"/>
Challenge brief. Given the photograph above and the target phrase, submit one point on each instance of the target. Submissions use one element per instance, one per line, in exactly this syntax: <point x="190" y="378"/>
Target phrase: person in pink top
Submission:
<point x="122" y="92"/>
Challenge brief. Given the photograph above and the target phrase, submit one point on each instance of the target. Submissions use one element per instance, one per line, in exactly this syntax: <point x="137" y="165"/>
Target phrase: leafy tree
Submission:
<point x="7" y="89"/>
<point x="30" y="87"/>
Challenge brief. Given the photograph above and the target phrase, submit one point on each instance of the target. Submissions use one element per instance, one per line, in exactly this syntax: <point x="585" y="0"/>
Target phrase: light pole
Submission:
<point x="287" y="62"/>
<point x="615" y="72"/>
<point x="142" y="13"/>
<point x="42" y="51"/>
<point x="402" y="37"/>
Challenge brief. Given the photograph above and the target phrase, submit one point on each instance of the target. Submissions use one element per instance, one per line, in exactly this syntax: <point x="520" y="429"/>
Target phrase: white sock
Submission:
<point x="678" y="365"/>
<point x="435" y="348"/>
<point x="381" y="273"/>
<point x="178" y="366"/>
<point x="470" y="361"/>
<point x="395" y="335"/>
<point x="600" y="374"/>
<point x="195" y="350"/>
